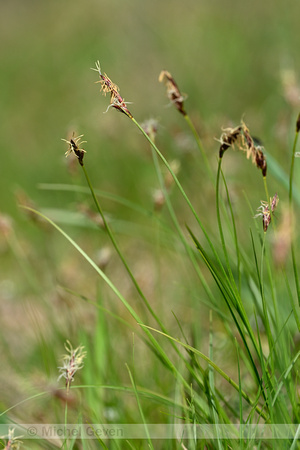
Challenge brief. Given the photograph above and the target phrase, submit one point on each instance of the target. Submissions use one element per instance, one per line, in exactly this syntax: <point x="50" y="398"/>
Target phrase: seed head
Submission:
<point x="173" y="91"/>
<point x="254" y="151"/>
<point x="72" y="362"/>
<point x="107" y="86"/>
<point x="228" y="139"/>
<point x="260" y="161"/>
<point x="298" y="124"/>
<point x="74" y="144"/>
<point x="13" y="442"/>
<point x="264" y="211"/>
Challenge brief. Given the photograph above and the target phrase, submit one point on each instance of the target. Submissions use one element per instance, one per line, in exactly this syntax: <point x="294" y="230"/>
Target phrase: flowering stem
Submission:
<point x="267" y="193"/>
<point x="66" y="419"/>
<point x="263" y="298"/>
<point x="269" y="201"/>
<point x="220" y="224"/>
<point x="114" y="242"/>
<point x="177" y="226"/>
<point x="177" y="182"/>
<point x="291" y="207"/>
<point x="199" y="144"/>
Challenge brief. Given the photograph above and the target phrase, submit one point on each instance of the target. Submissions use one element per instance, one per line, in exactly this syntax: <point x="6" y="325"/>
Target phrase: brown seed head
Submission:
<point x="173" y="91"/>
<point x="264" y="211"/>
<point x="260" y="161"/>
<point x="228" y="138"/>
<point x="253" y="151"/>
<point x="248" y="146"/>
<point x="298" y="124"/>
<point x="74" y="144"/>
<point x="116" y="101"/>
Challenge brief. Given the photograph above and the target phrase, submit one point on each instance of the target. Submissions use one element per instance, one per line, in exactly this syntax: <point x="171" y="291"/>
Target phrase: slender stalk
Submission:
<point x="177" y="182"/>
<point x="187" y="247"/>
<point x="117" y="248"/>
<point x="235" y="236"/>
<point x="200" y="146"/>
<point x="291" y="206"/>
<point x="220" y="227"/>
<point x="215" y="367"/>
<point x="140" y="292"/>
<point x="264" y="304"/>
<point x="66" y="422"/>
<point x="150" y="445"/>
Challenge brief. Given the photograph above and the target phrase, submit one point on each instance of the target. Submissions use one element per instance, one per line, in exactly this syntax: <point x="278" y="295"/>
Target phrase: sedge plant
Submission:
<point x="260" y="386"/>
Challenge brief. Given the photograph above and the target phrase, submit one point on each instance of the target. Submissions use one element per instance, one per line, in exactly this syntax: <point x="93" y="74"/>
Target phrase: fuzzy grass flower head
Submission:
<point x="74" y="147"/>
<point x="245" y="142"/>
<point x="107" y="86"/>
<point x="255" y="152"/>
<point x="264" y="211"/>
<point x="173" y="91"/>
<point x="228" y="139"/>
<point x="13" y="442"/>
<point x="72" y="362"/>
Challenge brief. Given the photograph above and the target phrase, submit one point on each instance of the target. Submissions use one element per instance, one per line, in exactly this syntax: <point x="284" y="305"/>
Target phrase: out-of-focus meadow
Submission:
<point x="228" y="58"/>
<point x="233" y="60"/>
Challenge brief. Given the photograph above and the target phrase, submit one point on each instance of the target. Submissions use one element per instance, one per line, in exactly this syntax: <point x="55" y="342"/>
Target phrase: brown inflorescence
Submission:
<point x="254" y="151"/>
<point x="173" y="91"/>
<point x="228" y="139"/>
<point x="242" y="137"/>
<point x="298" y="124"/>
<point x="107" y="86"/>
<point x="264" y="211"/>
<point x="74" y="144"/>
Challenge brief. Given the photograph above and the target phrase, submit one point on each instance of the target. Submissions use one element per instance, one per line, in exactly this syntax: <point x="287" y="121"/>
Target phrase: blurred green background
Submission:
<point x="228" y="57"/>
<point x="233" y="59"/>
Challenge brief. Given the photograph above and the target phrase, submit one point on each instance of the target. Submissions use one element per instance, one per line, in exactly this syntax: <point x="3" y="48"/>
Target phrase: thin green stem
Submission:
<point x="117" y="248"/>
<point x="178" y="184"/>
<point x="264" y="304"/>
<point x="199" y="145"/>
<point x="221" y="229"/>
<point x="177" y="226"/>
<point x="291" y="209"/>
<point x="150" y="445"/>
<point x="214" y="366"/>
<point x="66" y="420"/>
<point x="155" y="345"/>
<point x="235" y="236"/>
<point x="109" y="231"/>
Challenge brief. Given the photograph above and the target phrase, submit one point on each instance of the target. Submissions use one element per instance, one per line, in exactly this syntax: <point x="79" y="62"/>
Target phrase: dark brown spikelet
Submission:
<point x="116" y="101"/>
<point x="250" y="146"/>
<point x="298" y="124"/>
<point x="254" y="151"/>
<point x="260" y="161"/>
<point x="264" y="211"/>
<point x="74" y="143"/>
<point x="228" y="139"/>
<point x="173" y="91"/>
<point x="78" y="152"/>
